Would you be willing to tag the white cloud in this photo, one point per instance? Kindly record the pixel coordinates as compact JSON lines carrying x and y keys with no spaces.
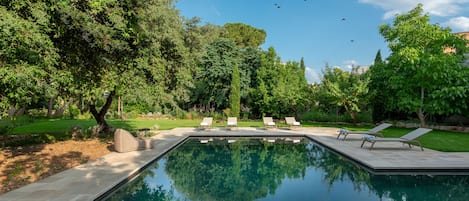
{"x":441,"y":8}
{"x":312,"y":76}
{"x":458,"y":23}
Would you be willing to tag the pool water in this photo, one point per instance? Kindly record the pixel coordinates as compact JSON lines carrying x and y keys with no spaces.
{"x":260,"y":169}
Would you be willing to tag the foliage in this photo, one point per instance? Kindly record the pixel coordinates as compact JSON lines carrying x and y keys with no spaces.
{"x":235,"y":96}
{"x":319,"y":116}
{"x":244,"y":35}
{"x":27,"y":55}
{"x":421,"y":76}
{"x":212,"y":88}
{"x":345,"y":89}
{"x":377,"y":89}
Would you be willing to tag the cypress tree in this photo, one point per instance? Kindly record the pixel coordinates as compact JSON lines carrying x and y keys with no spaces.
{"x":235,"y":95}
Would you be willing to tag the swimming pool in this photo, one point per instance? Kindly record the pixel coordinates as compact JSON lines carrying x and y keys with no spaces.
{"x":276,"y":169}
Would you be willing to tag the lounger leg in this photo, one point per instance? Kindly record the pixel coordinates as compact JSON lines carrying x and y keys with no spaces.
{"x":345,"y":135}
{"x":420,"y":145}
{"x":363,"y":143}
{"x":340,"y":133}
{"x":372,"y":144}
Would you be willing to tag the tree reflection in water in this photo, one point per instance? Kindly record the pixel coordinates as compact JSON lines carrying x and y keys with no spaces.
{"x":254,"y":169}
{"x":244,"y":170}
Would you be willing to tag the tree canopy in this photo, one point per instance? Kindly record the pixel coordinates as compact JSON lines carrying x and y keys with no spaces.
{"x":423,"y":78}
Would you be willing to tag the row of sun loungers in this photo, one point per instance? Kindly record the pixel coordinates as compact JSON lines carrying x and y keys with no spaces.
{"x":232,"y":122}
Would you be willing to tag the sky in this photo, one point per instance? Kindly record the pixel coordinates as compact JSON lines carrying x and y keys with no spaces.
{"x":340,"y":33}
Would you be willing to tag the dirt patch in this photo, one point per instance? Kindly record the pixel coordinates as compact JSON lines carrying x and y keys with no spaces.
{"x":20,"y":166}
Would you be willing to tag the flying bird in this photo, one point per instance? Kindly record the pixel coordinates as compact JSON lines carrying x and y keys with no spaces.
{"x":352,"y":41}
{"x":277,"y":5}
{"x":343,"y":19}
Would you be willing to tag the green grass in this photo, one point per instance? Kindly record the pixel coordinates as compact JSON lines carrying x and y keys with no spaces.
{"x":447,"y":141}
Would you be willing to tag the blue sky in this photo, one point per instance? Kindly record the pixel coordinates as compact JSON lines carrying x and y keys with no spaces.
{"x":337,"y":32}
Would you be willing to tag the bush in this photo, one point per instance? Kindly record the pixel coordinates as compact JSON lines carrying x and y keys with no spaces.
{"x":73,"y":111}
{"x":322,"y":117}
{"x":132,"y":115}
{"x":362,"y":117}
{"x":317,"y":116}
{"x":245,"y":116}
{"x":86,"y":115}
{"x":37,"y":112}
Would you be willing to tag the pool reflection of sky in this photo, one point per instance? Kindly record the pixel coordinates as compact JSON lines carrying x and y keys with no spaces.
{"x":263,"y":171}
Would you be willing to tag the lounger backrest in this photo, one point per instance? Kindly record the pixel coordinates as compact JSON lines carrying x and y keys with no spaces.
{"x":208,"y":120}
{"x":233,"y":119}
{"x":416,"y":133}
{"x":380,"y":127}
{"x":290,"y":120}
{"x":267,"y":120}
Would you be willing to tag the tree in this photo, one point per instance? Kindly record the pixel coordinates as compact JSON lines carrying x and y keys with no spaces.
{"x":99,"y":41}
{"x":290,"y":89}
{"x":235,"y":96}
{"x":214,"y":76}
{"x":244,"y":35}
{"x":265,"y":82}
{"x":28,"y":57}
{"x":377,"y":88}
{"x":422,"y":77}
{"x":345,"y":89}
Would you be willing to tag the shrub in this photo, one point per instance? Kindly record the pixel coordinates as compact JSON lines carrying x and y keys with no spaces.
{"x":73,"y":111}
{"x":364,"y":117}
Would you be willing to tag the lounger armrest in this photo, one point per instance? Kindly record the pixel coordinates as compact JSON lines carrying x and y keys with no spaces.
{"x":369,"y":137}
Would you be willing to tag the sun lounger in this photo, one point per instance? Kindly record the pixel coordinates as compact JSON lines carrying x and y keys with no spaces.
{"x":269,"y":122}
{"x":232,"y":122}
{"x":407,"y":139}
{"x":206,"y":123}
{"x":374,"y":131}
{"x":125,"y":142}
{"x":291,"y":121}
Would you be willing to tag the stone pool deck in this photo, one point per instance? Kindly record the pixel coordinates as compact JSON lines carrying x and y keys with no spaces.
{"x":89,"y":181}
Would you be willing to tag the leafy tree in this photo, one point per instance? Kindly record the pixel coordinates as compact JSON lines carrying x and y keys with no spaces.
{"x":214,"y":77}
{"x":27,"y":55}
{"x":265,"y":82}
{"x":279,"y":89}
{"x":244,"y":35}
{"x":345,"y":89}
{"x":235,"y":96}
{"x":290,"y":89}
{"x":423,"y":79}
{"x":377,"y":88}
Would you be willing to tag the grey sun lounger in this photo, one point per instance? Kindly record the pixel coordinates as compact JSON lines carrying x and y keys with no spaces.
{"x":374,"y":131}
{"x":407,"y":138}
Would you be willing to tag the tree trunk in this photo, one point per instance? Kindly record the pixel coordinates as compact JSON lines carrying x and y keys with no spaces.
{"x":50,"y":107}
{"x":99,"y":116}
{"x":352,"y":114}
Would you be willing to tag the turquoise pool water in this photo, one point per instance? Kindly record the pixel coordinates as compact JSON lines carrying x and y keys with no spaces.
{"x":287,"y":169}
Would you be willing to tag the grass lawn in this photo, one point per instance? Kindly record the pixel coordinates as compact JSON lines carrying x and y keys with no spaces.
{"x":438,"y":140}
